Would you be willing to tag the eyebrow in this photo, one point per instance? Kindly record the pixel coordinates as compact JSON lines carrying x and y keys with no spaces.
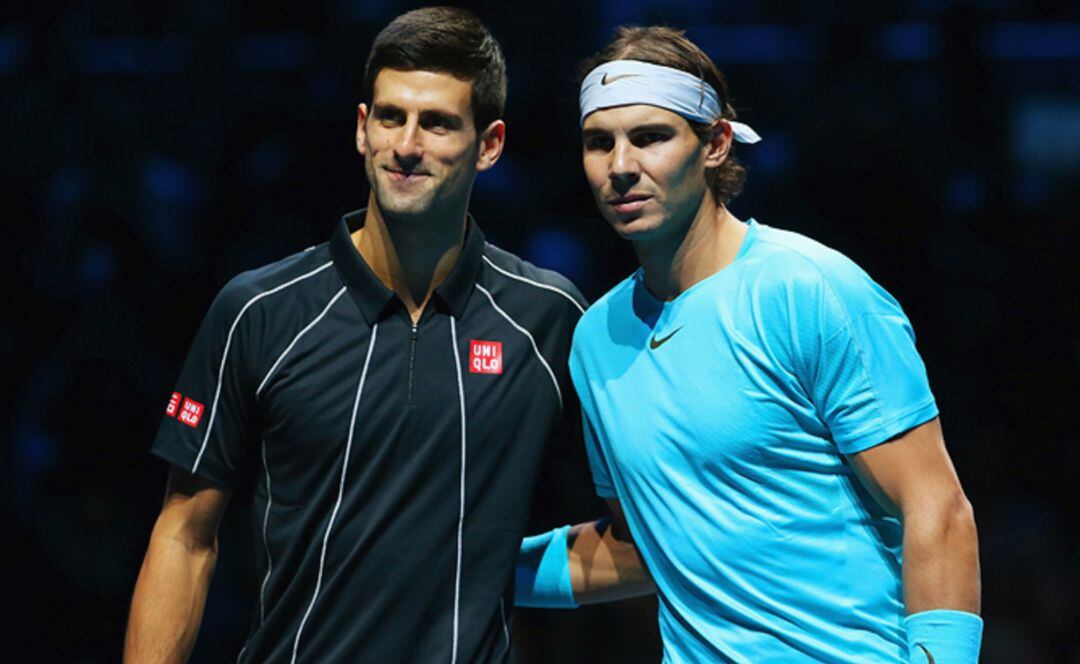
{"x":655,"y":126}
{"x":636,"y":129}
{"x":452,"y":119}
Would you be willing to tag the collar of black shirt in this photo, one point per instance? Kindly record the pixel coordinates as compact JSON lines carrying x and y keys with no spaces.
{"x":373,"y":297}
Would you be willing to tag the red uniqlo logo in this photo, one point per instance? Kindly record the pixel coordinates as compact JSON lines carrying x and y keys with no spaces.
{"x":191,"y":412}
{"x":174,"y":404}
{"x":485,"y":357}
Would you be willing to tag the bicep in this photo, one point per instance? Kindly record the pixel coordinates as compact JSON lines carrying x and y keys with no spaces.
{"x":192,"y":509}
{"x":910,"y":470}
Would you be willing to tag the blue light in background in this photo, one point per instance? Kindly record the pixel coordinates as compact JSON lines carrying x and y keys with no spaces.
{"x":35,"y":451}
{"x":909,"y":42}
{"x":1032,"y":41}
{"x":755,"y":43}
{"x":133,"y":55}
{"x":268,"y":162}
{"x":97,"y":266}
{"x":503,"y":179}
{"x":169,"y":181}
{"x":67,"y":187}
{"x":557,"y":250}
{"x":374,"y":12}
{"x":12,"y":50}
{"x":773,"y":156}
{"x":173,"y":194}
{"x":1030,"y":190}
{"x":966,"y":193}
{"x":1046,"y":135}
{"x":284,"y":51}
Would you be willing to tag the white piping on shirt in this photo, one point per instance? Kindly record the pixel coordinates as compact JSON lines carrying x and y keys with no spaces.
{"x":461,"y":500}
{"x":225,"y":353}
{"x":341,"y":490}
{"x":297,"y":338}
{"x":554,"y":381}
{"x":266,"y":542}
{"x":506,"y":630}
{"x":534,"y":283}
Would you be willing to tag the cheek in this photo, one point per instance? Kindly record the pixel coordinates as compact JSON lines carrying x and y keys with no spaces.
{"x":687,"y":179}
{"x":595,"y":173}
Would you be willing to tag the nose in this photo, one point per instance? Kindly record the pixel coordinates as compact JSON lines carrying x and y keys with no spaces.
{"x":625,"y":170}
{"x":407,"y":149}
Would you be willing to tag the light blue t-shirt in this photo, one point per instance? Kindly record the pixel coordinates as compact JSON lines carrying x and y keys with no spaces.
{"x":721,"y":421}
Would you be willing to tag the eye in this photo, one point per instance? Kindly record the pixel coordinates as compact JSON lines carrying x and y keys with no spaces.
{"x":435,"y":123}
{"x":649,"y":138}
{"x":599,"y":143}
{"x":389,"y":117}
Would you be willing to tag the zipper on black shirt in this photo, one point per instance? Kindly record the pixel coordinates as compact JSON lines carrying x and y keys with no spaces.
{"x":412,"y":359}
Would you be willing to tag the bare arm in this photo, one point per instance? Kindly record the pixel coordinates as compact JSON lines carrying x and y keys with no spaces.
{"x":913,"y":477}
{"x":170,"y":593}
{"x":604,"y":562}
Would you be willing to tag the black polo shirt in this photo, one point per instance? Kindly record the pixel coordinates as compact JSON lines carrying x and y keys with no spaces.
{"x":395,"y":463}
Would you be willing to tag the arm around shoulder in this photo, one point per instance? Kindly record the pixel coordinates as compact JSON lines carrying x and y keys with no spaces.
{"x":171,"y":590}
{"x":605,"y":564}
{"x":588,"y":563}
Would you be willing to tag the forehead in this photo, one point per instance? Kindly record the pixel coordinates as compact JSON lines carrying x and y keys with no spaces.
{"x":624,"y":118}
{"x":423,"y":90}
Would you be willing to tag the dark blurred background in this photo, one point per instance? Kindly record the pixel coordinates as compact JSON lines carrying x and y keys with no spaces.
{"x":153,"y":150}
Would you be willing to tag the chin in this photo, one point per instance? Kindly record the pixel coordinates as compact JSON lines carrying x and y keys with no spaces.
{"x":404,"y":206}
{"x":641,"y":228}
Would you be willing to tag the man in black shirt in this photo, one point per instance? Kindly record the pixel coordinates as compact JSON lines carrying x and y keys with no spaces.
{"x":391,"y":389}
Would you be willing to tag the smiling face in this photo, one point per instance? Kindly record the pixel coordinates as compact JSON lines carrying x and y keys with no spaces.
{"x":420,"y":143}
{"x":647,"y":169}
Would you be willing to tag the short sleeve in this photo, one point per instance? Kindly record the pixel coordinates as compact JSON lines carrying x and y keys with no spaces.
{"x":209,"y":419}
{"x":601,"y":474}
{"x":869,"y":382}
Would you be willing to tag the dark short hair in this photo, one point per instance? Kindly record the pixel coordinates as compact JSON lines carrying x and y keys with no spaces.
{"x":448,"y":40}
{"x":669,"y":47}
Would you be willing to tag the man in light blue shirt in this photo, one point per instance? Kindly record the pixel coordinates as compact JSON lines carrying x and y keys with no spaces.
{"x":755,"y":409}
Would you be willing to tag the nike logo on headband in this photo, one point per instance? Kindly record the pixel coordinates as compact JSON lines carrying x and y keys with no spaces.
{"x":611,"y":79}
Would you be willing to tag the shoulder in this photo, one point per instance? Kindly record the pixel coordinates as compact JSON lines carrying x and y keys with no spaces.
{"x":510,"y":273}
{"x":616,"y":303}
{"x":301,"y":274}
{"x":804,"y":267}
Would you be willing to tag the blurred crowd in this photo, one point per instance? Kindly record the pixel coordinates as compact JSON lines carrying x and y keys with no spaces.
{"x":153,"y":150}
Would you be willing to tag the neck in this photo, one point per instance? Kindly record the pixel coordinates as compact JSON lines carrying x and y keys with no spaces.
{"x":410,"y":256}
{"x":710,"y":243}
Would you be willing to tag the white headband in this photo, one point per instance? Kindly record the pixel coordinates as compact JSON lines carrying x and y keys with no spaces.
{"x":626,"y":82}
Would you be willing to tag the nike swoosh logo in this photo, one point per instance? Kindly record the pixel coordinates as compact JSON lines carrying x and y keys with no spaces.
{"x":655,"y":343}
{"x":611,"y":79}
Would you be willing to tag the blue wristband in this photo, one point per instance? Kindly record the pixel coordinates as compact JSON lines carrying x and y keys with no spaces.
{"x":943,"y":636}
{"x":542,"y":573}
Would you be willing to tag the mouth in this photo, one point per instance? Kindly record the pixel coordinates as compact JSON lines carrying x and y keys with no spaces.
{"x":629,"y":202}
{"x":402,"y":176}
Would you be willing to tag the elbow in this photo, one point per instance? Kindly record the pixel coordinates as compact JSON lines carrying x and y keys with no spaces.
{"x":948,"y":520}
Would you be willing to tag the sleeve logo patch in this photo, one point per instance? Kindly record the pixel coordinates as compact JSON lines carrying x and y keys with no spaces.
{"x":485,"y":357}
{"x":174,"y":404}
{"x":191,"y":412}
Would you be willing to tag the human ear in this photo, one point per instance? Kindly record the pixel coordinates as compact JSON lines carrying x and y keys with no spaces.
{"x":492,"y":141}
{"x":361,"y":118}
{"x":719,"y":144}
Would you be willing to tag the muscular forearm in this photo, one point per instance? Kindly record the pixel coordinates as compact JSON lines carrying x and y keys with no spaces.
{"x":941,"y":558}
{"x":169,"y":598}
{"x":604,"y":568}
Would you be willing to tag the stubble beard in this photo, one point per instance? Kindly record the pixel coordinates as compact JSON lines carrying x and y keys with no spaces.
{"x":396,"y":203}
